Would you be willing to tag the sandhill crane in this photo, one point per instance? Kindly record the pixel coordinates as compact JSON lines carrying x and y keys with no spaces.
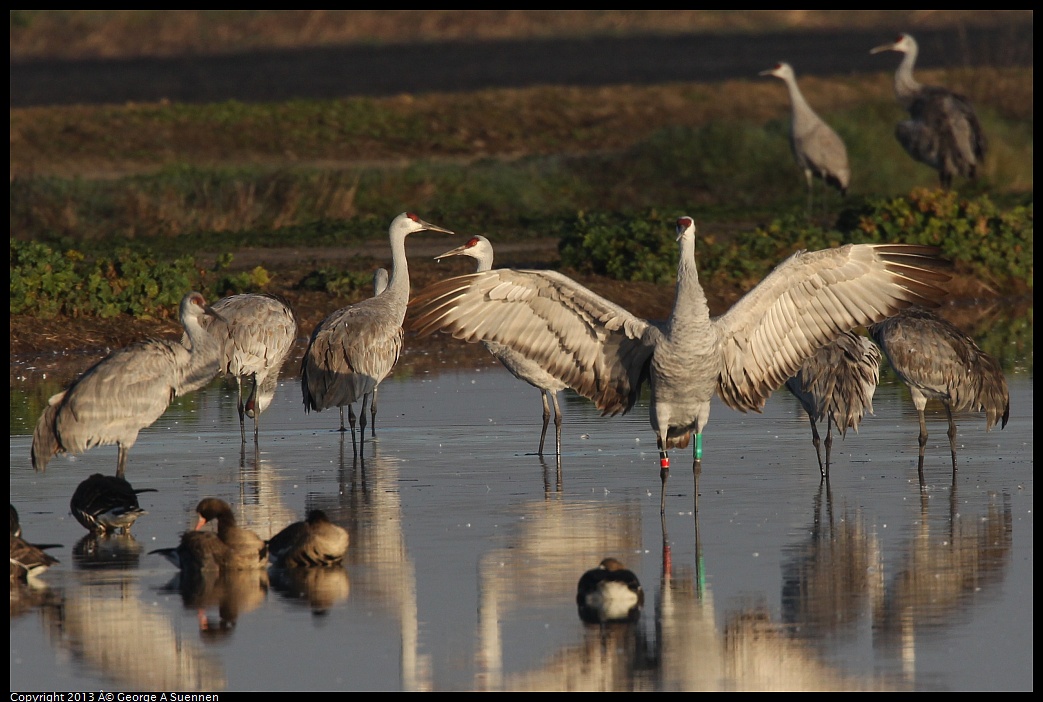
{"x":942,"y":130}
{"x":818,"y":150}
{"x":314,"y":542}
{"x":609,"y":593}
{"x":127,"y":391}
{"x":380,"y":284}
{"x":481,"y":249}
{"x":232,"y":548}
{"x":261,"y":331}
{"x":835,"y":385}
{"x":355,"y":348}
{"x":605,"y":353}
{"x":106,"y":504}
{"x":936,"y":360}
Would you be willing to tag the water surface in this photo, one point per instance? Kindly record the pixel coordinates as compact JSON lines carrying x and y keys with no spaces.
{"x":466,"y":549}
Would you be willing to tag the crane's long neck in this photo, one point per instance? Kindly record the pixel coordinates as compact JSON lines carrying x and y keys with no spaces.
{"x":485,"y":261}
{"x":801,"y":108}
{"x":690,"y":320}
{"x":906,"y":87}
{"x":204,"y":356}
{"x":397,"y":292}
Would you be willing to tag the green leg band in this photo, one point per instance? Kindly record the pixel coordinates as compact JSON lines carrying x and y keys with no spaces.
{"x":697,"y":450}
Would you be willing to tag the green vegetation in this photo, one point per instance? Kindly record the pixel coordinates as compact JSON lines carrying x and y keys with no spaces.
{"x":981,"y":239}
{"x":113,"y":208}
{"x":992,"y":243}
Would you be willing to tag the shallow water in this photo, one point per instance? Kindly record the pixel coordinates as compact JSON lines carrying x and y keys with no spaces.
{"x":466,"y":549}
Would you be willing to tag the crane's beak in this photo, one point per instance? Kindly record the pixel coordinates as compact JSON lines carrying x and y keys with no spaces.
{"x":452,"y":252}
{"x":767,"y":72}
{"x":428,"y":227}
{"x":214,"y":313}
{"x":882,"y":47}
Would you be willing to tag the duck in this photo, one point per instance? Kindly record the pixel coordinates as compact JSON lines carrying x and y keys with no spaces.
{"x":609,"y":593}
{"x":315,"y":541}
{"x":231,"y":548}
{"x":106,"y":504}
{"x":27,"y":560}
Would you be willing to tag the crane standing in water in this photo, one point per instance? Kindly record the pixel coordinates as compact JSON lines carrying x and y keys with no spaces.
{"x":481,"y":249}
{"x":261,"y":331}
{"x":942,"y":130}
{"x":835,"y":385}
{"x":818,"y":150}
{"x":355,"y":348}
{"x":605,"y":353}
{"x":127,"y":391}
{"x":936,"y":360}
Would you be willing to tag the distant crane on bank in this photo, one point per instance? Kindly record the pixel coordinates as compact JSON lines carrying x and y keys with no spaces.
{"x":943,"y":130}
{"x":355,"y":348}
{"x":818,"y":150}
{"x":835,"y":385}
{"x":937,"y":361}
{"x":605,"y":353}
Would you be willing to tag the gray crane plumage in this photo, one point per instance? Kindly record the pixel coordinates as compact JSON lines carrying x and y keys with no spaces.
{"x":936,"y":360}
{"x":481,"y":249}
{"x":836,"y":385}
{"x":605,"y":353}
{"x":261,"y":331}
{"x":818,"y":150}
{"x":127,"y":391}
{"x":943,"y":130}
{"x":355,"y":348}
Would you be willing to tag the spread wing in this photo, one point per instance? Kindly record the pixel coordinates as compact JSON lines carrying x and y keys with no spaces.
{"x":808,"y":300}
{"x":594,"y":346}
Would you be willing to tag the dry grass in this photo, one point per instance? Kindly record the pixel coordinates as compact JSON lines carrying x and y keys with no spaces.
{"x":124,"y":33}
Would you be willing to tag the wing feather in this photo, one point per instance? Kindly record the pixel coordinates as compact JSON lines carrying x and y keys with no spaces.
{"x":808,"y":300}
{"x":590,"y":344}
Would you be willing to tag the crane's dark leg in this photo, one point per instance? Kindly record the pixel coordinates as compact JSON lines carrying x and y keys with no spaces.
{"x":829,"y":443}
{"x":241,"y":408}
{"x":952,"y":436}
{"x":251,"y":411}
{"x":121,"y":461}
{"x":373,"y":414}
{"x":546,"y":420}
{"x":362,"y":417}
{"x":817,"y":441}
{"x":664,"y":472}
{"x":342,"y":418}
{"x":697,"y":469}
{"x":351,"y":421}
{"x":922,"y":440}
{"x":557,"y":425}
